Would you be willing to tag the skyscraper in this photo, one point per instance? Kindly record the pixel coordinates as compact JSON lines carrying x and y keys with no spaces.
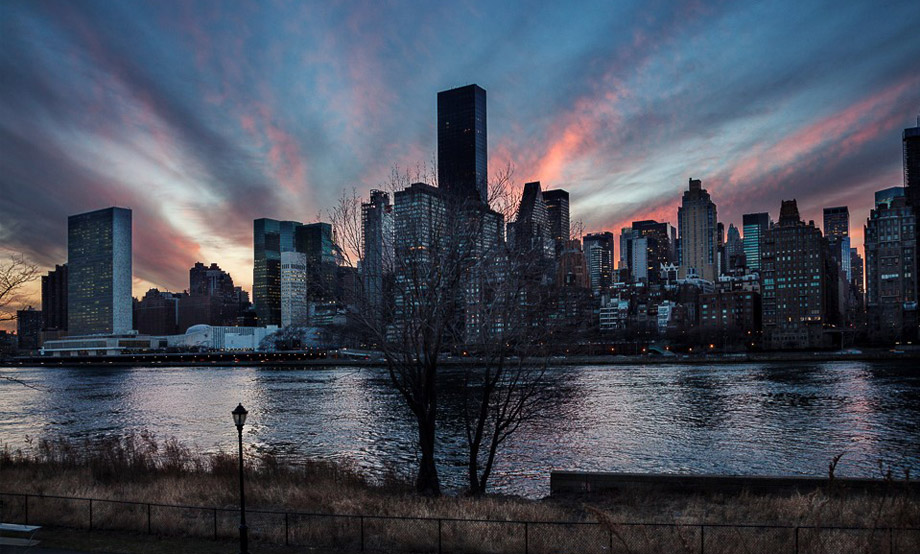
{"x":598,"y":248}
{"x":755,"y":225}
{"x":799,"y":292}
{"x":697,"y":224}
{"x":99,"y":272}
{"x":462,"y":143}
{"x":891,"y":283}
{"x":377,"y":236}
{"x":557,"y":212}
{"x":316,"y":241}
{"x":837,"y":233}
{"x":270,"y":239}
{"x":530,"y":232}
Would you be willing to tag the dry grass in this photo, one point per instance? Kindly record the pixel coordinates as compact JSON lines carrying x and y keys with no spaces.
{"x":139,"y":468}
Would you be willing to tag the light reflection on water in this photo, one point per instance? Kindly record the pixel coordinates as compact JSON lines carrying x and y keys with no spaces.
{"x":781,"y":419}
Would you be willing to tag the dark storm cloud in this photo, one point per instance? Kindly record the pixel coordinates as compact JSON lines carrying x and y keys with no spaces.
{"x":203,"y":116}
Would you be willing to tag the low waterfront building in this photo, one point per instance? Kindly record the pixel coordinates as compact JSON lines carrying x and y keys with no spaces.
{"x":198,"y":337}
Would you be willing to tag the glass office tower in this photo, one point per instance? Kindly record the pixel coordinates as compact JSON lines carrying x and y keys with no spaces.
{"x":99,"y":272}
{"x":755,"y":225}
{"x":270,"y":238}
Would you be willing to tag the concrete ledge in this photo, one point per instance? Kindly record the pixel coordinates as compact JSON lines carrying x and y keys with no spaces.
{"x":583,"y":482}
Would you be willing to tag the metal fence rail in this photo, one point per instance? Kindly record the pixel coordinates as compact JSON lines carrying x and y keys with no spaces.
{"x":444,"y":535}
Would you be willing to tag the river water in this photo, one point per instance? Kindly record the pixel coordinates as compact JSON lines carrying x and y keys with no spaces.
{"x":759,"y":418}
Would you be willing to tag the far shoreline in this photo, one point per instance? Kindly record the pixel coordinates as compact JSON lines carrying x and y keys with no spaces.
{"x":343,"y":359}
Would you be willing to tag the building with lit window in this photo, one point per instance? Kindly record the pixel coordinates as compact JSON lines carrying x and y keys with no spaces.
{"x":798,"y":284}
{"x":293,"y":289}
{"x":754,"y":226}
{"x":99,"y":272}
{"x":891,"y":280}
{"x":270,"y":239}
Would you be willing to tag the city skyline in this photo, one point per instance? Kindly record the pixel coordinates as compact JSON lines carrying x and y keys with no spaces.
{"x":198,"y":152}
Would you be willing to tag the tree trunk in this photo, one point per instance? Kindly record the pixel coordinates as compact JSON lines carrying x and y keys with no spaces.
{"x":427,"y":482}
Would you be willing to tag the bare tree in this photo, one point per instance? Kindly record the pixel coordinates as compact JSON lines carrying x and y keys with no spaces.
{"x":435,"y":244}
{"x":509,"y":385}
{"x":15,"y":273}
{"x":450,"y":287}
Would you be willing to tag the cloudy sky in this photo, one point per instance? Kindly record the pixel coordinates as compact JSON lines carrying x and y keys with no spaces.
{"x":203,"y":116}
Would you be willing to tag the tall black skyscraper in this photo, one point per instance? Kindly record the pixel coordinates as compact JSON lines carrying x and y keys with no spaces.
{"x":462,"y":143}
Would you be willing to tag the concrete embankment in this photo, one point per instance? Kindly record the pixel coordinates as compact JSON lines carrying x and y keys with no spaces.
{"x":582,"y":482}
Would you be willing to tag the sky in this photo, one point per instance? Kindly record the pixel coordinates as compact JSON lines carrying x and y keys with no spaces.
{"x":202,"y":116}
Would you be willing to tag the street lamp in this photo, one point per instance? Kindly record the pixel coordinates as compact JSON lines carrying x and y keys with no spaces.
{"x":239,"y":419}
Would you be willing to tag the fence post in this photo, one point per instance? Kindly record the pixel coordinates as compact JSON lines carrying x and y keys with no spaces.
{"x":890,"y":542}
{"x":26,"y":496}
{"x":439,"y":535}
{"x":609,"y":540}
{"x":796,"y":540}
{"x":149,"y":529}
{"x":526,"y":539}
{"x":362,"y":533}
{"x":215,"y":523}
{"x":287,"y":541}
{"x":90,"y":514}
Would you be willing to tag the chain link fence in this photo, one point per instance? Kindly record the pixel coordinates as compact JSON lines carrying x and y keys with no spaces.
{"x":360,"y":533}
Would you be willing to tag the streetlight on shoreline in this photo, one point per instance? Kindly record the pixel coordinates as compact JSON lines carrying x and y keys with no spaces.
{"x":239,"y":418}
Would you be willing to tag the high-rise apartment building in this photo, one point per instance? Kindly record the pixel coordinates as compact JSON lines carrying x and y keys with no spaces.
{"x":598,"y":248}
{"x":54,"y":299}
{"x":755,"y":225}
{"x":697,"y":224}
{"x":270,"y":238}
{"x":891,"y":280}
{"x":377,"y":236}
{"x":557,"y":212}
{"x":293,"y":289}
{"x":799,"y":290}
{"x":462,"y":143}
{"x":99,"y":272}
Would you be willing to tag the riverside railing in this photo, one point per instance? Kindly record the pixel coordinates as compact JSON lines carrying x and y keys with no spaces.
{"x":442,"y":535}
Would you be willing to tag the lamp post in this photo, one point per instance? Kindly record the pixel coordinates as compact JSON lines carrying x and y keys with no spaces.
{"x":239,"y":418}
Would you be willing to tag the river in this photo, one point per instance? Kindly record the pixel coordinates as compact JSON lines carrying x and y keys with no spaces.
{"x":757,"y":418}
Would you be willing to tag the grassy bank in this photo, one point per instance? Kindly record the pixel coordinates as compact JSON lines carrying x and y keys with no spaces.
{"x":140,"y":468}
